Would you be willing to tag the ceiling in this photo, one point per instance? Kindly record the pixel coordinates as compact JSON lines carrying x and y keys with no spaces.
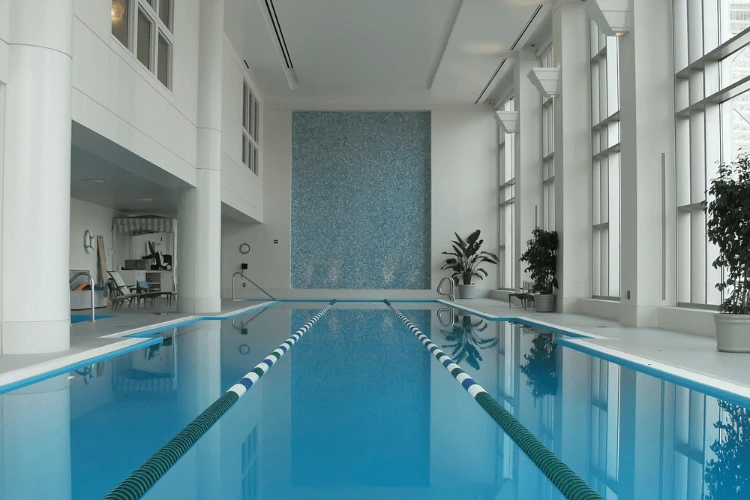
{"x":391,"y":54}
{"x":106,"y":174}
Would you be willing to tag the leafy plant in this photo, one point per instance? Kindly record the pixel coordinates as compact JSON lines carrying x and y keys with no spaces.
{"x":728,"y":228}
{"x":726,"y":475}
{"x":466,"y":258}
{"x":541,"y":255}
{"x":465,"y":338}
{"x":541,"y":366}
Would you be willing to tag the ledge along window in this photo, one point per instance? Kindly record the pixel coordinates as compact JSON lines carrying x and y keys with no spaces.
{"x":144,"y":27}
{"x":507,"y":230}
{"x":250,"y":128}
{"x":712,"y":124}
{"x":605,"y":134}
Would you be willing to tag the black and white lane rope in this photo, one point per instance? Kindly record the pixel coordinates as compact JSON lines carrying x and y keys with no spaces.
{"x":562,"y":476}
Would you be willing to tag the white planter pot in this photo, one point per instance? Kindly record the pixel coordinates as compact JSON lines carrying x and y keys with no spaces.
{"x":466,"y":291}
{"x":544,"y":303}
{"x":732,"y":332}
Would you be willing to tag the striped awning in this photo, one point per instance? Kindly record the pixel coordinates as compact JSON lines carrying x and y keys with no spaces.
{"x":144,"y":225}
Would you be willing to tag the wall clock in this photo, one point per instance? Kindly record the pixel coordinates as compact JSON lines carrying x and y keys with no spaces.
{"x":244,"y":248}
{"x":88,"y":240}
{"x":244,"y":349}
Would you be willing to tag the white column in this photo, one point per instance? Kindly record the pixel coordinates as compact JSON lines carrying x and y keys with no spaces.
{"x":528,"y":167}
{"x":199,"y":208}
{"x":35,"y":441}
{"x":573,"y":156}
{"x":36,"y":184}
{"x":647,"y":132}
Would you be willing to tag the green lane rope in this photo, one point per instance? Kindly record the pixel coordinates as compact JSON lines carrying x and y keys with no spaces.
{"x":562,"y":476}
{"x":138,"y":483}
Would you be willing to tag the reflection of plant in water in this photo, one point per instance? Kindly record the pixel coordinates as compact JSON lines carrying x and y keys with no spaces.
{"x":727,"y":476}
{"x":541,"y":366}
{"x":465,"y":338}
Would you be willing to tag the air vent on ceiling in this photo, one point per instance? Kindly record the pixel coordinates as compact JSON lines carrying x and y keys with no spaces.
{"x":274,"y":26}
{"x":512,"y":47}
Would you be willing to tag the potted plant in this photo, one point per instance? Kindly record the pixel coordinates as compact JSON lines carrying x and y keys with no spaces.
{"x":465,"y":260}
{"x":727,"y":228}
{"x":540,"y":255}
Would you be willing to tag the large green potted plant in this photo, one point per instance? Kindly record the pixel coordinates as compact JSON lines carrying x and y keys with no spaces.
{"x":728,"y":228}
{"x":541,"y":257}
{"x":464,"y":261}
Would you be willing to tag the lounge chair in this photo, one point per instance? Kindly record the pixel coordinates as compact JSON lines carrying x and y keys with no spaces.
{"x":144,"y":291}
{"x":525,"y":295}
{"x":122,"y":292}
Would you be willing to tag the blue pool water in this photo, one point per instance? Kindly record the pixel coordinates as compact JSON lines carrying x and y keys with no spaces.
{"x":359,"y":409}
{"x":78,"y":318}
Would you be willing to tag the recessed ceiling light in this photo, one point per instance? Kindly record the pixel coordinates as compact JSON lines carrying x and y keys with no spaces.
{"x":94,"y":181}
{"x":144,"y":200}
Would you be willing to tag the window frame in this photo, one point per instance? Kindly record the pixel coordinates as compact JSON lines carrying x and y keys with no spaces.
{"x":701,"y":46}
{"x":250,"y":125}
{"x":158,"y":29}
{"x":548,"y":149}
{"x":506,"y":163}
{"x":606,"y":194}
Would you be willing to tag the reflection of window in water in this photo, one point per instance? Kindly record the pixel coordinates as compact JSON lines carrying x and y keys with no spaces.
{"x":250,"y":490}
{"x":605,"y":426}
{"x":509,"y":353}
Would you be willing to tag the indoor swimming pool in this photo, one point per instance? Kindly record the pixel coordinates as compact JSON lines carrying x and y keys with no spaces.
{"x":359,"y":408}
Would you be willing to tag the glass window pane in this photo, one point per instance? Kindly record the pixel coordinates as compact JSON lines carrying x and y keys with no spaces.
{"x":152,"y":3}
{"x":251,"y":112}
{"x":255,"y":160}
{"x":163,"y":61}
{"x":734,"y":18}
{"x":244,"y":149}
{"x":244,"y":105}
{"x":257,"y":114}
{"x":144,"y":39}
{"x":165,"y":13}
{"x":735,"y":67}
{"x":120,"y":21}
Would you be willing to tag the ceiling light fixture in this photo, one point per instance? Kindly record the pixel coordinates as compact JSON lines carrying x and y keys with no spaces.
{"x":94,"y":181}
{"x":508,"y":120}
{"x":144,"y":200}
{"x":613,"y":17}
{"x":547,"y":81}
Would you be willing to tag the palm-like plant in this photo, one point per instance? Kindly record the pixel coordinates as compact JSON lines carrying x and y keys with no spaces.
{"x":466,"y":258}
{"x":465,"y":341}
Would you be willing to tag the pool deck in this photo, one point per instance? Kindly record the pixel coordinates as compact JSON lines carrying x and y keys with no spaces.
{"x":679,"y":353}
{"x":92,"y":340}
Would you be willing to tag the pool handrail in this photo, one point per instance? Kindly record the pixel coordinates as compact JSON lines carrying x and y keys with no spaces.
{"x":451,"y":293}
{"x":91,"y":284}
{"x":242,"y":275}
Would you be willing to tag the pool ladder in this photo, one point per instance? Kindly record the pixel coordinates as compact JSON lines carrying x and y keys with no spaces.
{"x":451,"y":292}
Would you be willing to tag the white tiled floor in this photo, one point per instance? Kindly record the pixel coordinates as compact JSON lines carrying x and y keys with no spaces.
{"x":681,"y":350}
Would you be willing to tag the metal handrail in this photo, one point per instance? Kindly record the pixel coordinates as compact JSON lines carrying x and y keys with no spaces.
{"x":241,"y":274}
{"x":451,"y":292}
{"x":91,"y":284}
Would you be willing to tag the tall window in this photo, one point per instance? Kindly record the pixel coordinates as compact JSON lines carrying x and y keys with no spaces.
{"x":712,"y":64}
{"x":145,"y":28}
{"x":250,"y":126}
{"x":605,"y":132}
{"x":506,"y":165}
{"x":548,"y":150}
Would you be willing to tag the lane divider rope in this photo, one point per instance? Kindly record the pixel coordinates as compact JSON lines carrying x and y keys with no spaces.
{"x":138,"y":483}
{"x":562,"y":476}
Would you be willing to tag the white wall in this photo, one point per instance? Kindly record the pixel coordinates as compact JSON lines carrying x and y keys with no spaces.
{"x":98,"y":220}
{"x":465,"y":192}
{"x":114,"y":95}
{"x":4,"y":35}
{"x":269,"y":264}
{"x":240,"y":188}
{"x":464,"y":146}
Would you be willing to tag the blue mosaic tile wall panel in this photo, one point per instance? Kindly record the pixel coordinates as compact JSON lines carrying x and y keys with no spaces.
{"x":361,"y":200}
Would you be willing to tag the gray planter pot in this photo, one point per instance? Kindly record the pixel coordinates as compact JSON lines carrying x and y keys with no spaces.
{"x":466,"y":291}
{"x":732,"y":332}
{"x":544,"y":302}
